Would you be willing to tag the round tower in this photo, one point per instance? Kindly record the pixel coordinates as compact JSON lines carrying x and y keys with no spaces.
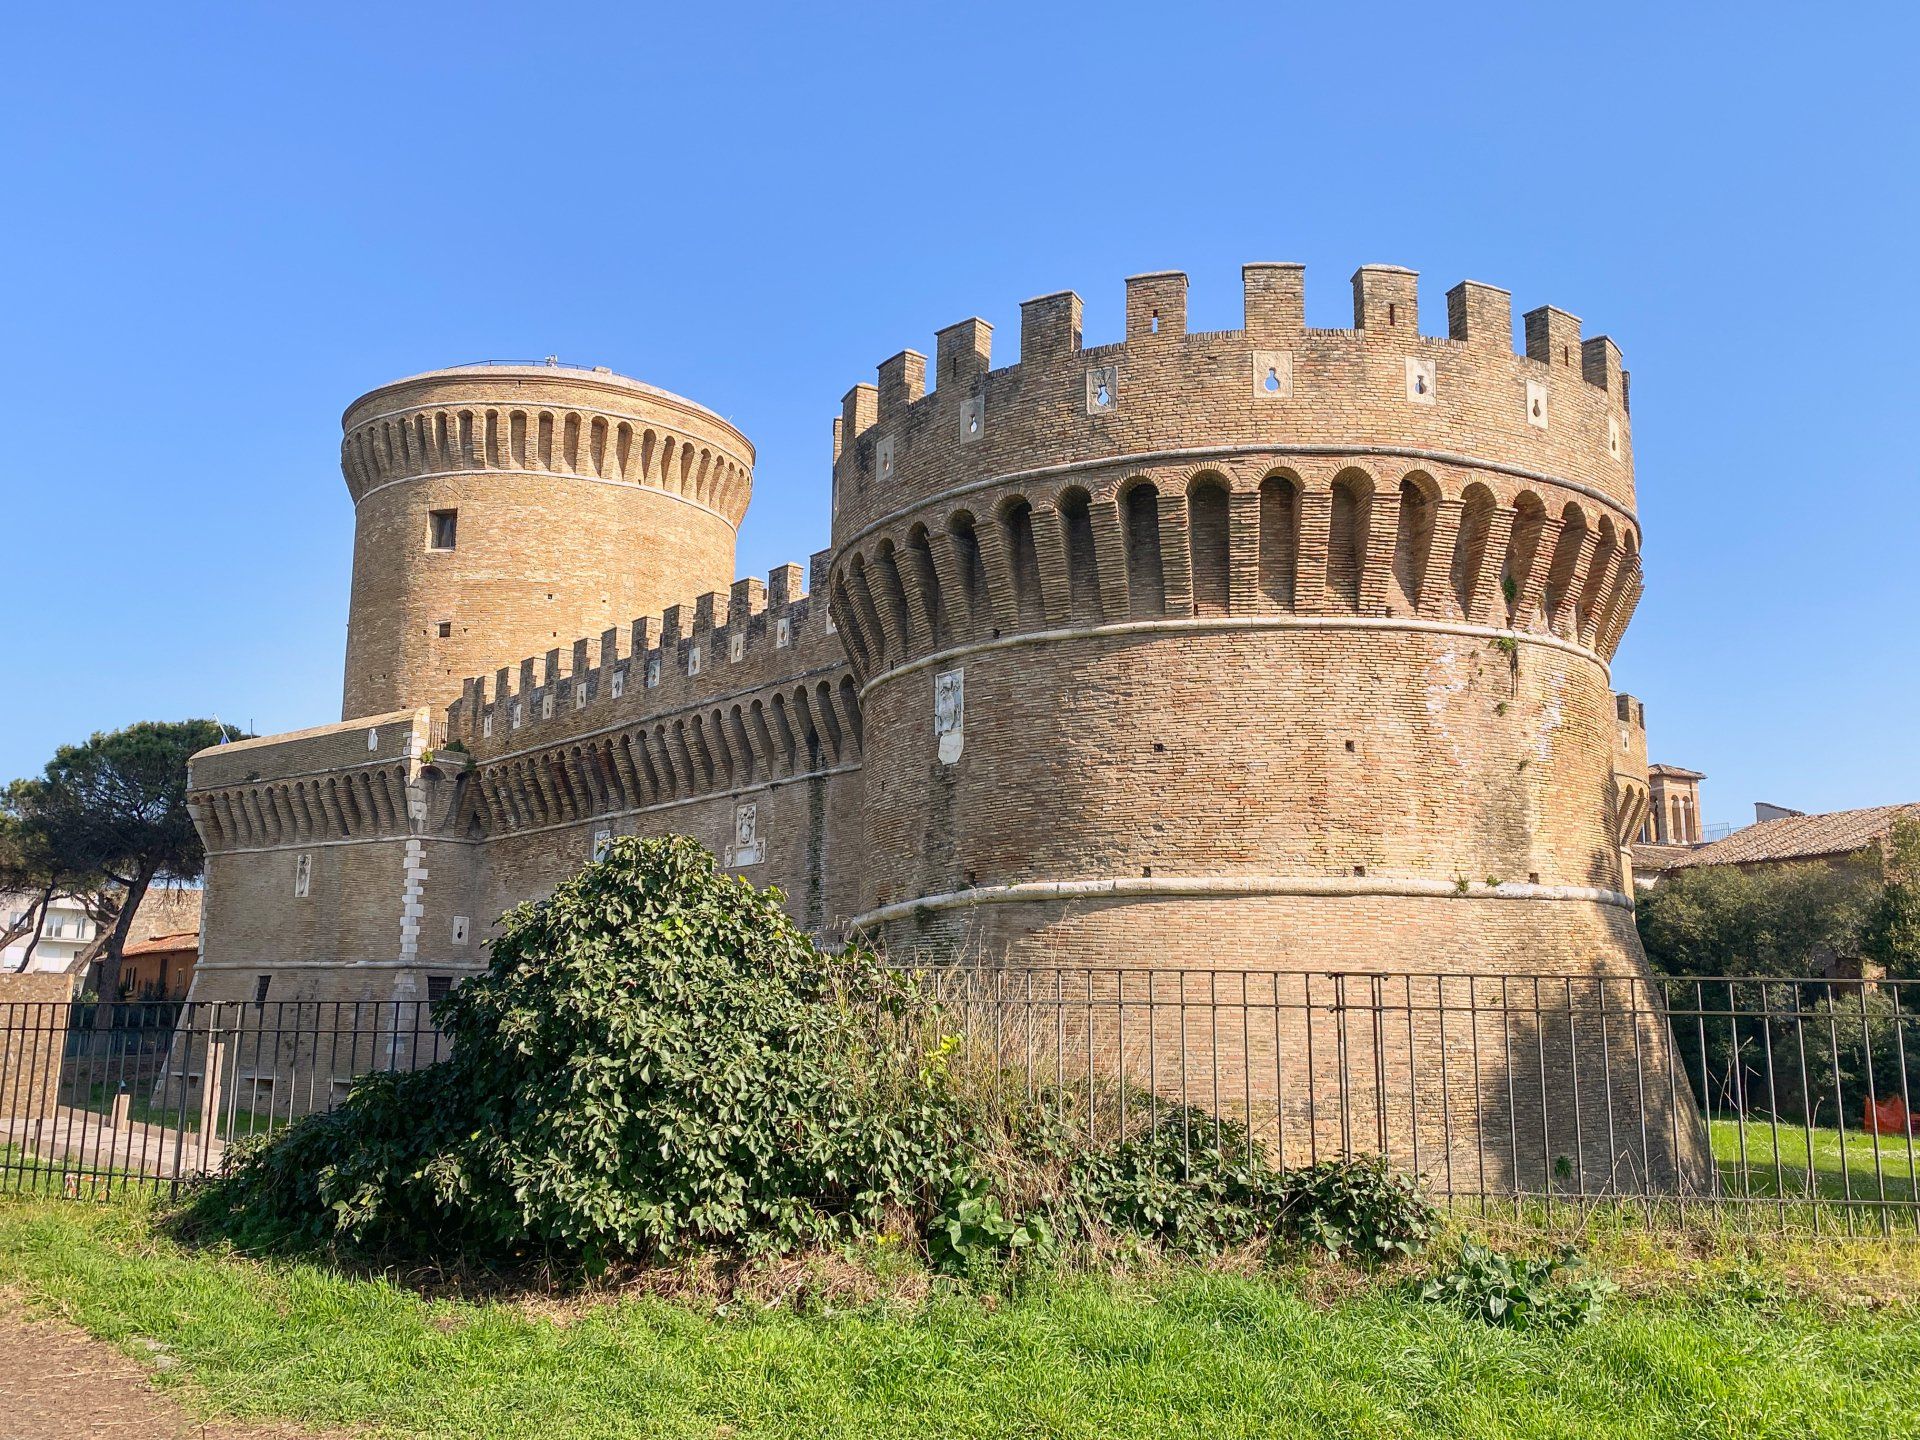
{"x":1276,"y":647}
{"x":501,"y":510}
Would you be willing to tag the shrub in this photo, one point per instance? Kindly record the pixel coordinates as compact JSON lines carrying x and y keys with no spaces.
{"x":1519,"y":1293}
{"x":656,"y":1059}
{"x":1195,"y":1183}
{"x":972,"y":1234}
{"x":1361,"y":1208}
{"x":1181,"y":1177}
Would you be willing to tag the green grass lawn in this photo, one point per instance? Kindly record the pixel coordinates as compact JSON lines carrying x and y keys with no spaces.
{"x":1863,"y":1166}
{"x":1187,"y":1354}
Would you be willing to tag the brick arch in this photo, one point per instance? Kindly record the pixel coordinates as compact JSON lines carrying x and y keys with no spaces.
{"x":1347,"y":525}
{"x":1081,"y":552}
{"x":850,"y":708}
{"x":1209,"y":541}
{"x":969,"y":604}
{"x":1138,"y":500}
{"x":828,"y":721}
{"x":1523,"y":577}
{"x":917,"y":560}
{"x":1567,"y":571}
{"x":1014,"y":515}
{"x":807,"y":728}
{"x":876,"y":627}
{"x":1279,"y":537}
{"x":786,"y":743}
{"x":1475,"y":549}
{"x":907,"y":622}
{"x":1413,"y":541}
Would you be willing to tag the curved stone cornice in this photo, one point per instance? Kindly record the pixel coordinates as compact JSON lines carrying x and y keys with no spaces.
{"x":539,"y":420}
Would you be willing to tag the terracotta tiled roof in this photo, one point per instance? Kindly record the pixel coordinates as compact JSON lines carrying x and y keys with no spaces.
{"x":1802,"y":837}
{"x":156,"y":944}
{"x":1649,"y":858}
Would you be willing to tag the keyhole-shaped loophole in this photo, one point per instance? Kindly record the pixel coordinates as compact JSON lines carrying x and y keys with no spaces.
{"x":1100,"y":396}
{"x":973,"y":424}
{"x":1419,"y":384}
{"x":1536,"y":408}
{"x":1272,"y":382}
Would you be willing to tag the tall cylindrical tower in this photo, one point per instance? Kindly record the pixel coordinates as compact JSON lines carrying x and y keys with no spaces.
{"x":1273,"y":647}
{"x":500,"y":510}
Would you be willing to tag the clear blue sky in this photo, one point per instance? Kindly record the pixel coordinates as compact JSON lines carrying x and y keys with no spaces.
{"x":222,"y":224}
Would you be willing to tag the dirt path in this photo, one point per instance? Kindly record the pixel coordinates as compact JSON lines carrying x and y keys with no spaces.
{"x":58,"y":1383}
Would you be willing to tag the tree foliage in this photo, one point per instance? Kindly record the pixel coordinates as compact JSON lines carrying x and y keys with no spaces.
{"x":1792,"y":1041}
{"x":108,"y":818}
{"x":1794,"y":920}
{"x":1788,"y":920}
{"x":1890,"y":935}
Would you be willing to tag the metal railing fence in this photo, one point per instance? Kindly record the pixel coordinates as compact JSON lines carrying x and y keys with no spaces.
{"x":95,"y":1097}
{"x":1787,"y":1099}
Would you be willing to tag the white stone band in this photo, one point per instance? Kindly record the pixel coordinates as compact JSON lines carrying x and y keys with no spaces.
{"x":1216,"y":887}
{"x":1239,"y":622}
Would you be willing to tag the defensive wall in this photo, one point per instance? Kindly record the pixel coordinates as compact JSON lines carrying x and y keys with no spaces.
{"x":1277,"y":648}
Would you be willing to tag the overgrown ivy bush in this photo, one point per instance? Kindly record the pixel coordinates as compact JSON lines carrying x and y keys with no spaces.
{"x":1179,"y":1176}
{"x":657,"y":1059}
{"x":1195,"y":1183}
{"x":1360,"y":1208}
{"x":1548,"y":1293}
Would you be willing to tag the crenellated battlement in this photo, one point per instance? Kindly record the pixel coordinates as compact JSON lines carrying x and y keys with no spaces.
{"x":1554,"y":410}
{"x":758,"y":634}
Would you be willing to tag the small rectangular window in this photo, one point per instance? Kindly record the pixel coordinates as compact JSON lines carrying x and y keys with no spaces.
{"x":438,"y":988}
{"x":445,"y":629}
{"x":260,"y":984}
{"x":619,"y":683}
{"x":442,"y":529}
{"x":601,"y":839}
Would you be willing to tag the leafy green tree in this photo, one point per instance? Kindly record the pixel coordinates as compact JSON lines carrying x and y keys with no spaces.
{"x":110,"y":818}
{"x":1791,"y":1041}
{"x":1786,"y":920}
{"x":1890,"y":936}
{"x":26,"y":867}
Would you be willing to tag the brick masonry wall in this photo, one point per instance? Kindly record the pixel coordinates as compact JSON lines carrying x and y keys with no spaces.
{"x":582,"y":499}
{"x":1264,"y":648}
{"x":33,"y":1021}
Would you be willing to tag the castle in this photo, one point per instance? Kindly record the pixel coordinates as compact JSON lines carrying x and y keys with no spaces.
{"x":1278,"y":648}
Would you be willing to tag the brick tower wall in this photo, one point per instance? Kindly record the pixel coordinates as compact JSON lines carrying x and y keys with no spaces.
{"x":582,"y":499}
{"x":1291,"y":641}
